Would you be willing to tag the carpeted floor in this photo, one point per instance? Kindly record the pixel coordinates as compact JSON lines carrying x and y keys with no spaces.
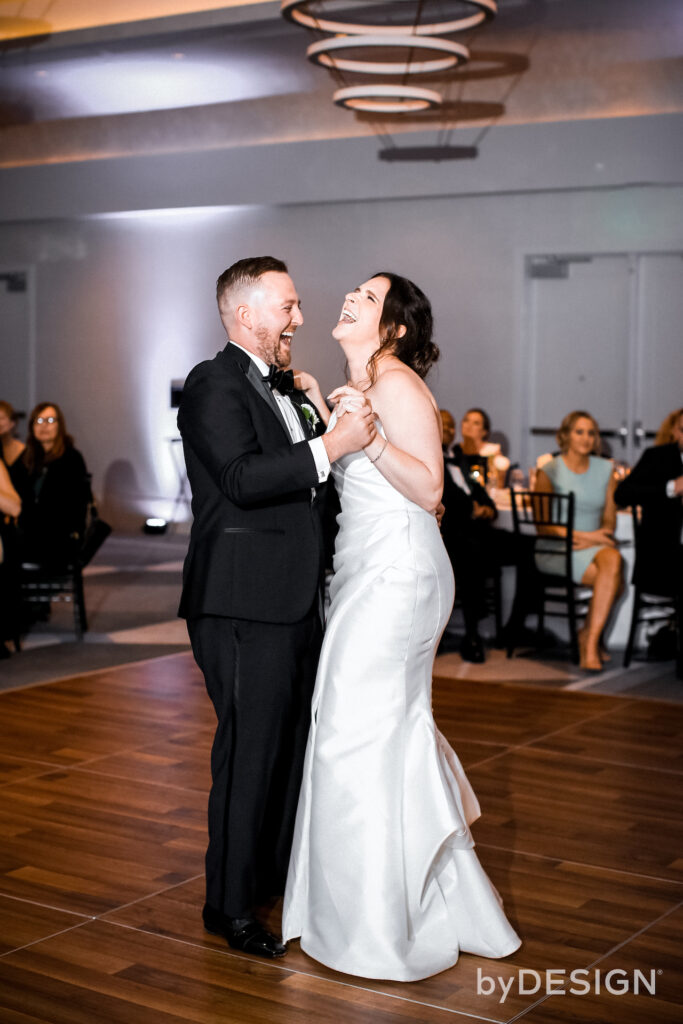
{"x":132,"y":589}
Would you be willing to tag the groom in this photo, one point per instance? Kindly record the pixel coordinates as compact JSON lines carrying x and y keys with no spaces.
{"x":251,"y":585}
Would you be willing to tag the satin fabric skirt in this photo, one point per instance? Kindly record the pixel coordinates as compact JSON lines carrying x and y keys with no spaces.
{"x":383,"y":881}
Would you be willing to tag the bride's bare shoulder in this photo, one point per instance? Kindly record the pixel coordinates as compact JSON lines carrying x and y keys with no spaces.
{"x":396,"y":382}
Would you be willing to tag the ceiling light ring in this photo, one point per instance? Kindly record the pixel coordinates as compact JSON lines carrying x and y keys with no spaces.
{"x":295,"y":11}
{"x":387,"y":99}
{"x":324,"y":54}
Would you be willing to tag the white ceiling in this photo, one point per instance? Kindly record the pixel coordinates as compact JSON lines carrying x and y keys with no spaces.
{"x":184,"y":75}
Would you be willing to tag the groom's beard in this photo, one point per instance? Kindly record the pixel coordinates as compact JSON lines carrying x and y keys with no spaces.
{"x":274,"y":348}
{"x":282,"y":356}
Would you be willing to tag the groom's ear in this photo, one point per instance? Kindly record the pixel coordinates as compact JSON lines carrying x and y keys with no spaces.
{"x":243,"y":315}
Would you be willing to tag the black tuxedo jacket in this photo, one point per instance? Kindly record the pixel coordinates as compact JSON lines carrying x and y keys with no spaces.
{"x":255,"y":547}
{"x":458,"y":527}
{"x":659,"y":541}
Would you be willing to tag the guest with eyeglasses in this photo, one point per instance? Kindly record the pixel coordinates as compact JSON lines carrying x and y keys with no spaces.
{"x":55,"y":491}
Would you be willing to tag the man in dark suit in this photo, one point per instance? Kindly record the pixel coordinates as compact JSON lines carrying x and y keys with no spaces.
{"x":656,"y":484}
{"x":469,"y":512}
{"x":251,"y":585}
{"x":477,"y":550}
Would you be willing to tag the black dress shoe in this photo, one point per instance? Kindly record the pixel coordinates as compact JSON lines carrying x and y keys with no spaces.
{"x":243,"y":933}
{"x":472,"y":649}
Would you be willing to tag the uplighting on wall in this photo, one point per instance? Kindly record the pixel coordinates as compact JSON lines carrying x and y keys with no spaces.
{"x":400,"y":45}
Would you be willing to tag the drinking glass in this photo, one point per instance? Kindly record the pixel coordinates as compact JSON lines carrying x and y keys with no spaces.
{"x":517,"y":479}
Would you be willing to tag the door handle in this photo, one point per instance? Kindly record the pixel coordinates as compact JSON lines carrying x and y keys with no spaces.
{"x":623,"y":433}
{"x":638,"y":433}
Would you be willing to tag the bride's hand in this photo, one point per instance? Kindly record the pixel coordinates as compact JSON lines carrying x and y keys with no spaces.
{"x":348,"y":399}
{"x":304,"y":381}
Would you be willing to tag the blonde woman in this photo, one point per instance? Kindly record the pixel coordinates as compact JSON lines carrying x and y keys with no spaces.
{"x":596,"y":561}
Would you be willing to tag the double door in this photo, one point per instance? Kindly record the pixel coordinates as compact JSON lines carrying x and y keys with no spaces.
{"x":604,"y":334}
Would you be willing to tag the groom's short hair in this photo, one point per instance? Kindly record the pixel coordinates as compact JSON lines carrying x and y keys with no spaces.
{"x":244,"y":274}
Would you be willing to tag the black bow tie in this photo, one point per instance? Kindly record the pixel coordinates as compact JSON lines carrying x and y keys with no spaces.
{"x":280,"y":380}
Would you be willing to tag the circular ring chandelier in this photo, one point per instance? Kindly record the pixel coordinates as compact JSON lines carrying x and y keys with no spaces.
{"x":387,"y":99}
{"x":325,"y":51}
{"x":415,"y":37}
{"x":298,"y":12}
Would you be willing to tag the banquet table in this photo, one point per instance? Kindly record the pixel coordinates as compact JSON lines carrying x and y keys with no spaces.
{"x":620,"y":621}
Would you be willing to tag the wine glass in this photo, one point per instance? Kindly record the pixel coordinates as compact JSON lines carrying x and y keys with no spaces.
{"x":517,"y":479}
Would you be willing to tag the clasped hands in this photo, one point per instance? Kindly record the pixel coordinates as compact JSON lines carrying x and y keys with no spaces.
{"x":351,"y":403}
{"x":601,"y":537}
{"x":355,"y":416}
{"x":348,"y":399}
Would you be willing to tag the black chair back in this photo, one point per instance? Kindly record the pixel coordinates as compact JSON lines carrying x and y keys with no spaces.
{"x":558,"y":595}
{"x":534,"y":509}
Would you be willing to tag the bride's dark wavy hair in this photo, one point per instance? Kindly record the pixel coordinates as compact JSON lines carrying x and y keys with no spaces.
{"x":405,"y":304}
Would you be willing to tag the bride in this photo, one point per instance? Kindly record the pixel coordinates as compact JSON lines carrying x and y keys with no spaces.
{"x":383,"y":881}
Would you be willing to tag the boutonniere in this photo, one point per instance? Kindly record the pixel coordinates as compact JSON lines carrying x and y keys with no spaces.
{"x":310,"y":414}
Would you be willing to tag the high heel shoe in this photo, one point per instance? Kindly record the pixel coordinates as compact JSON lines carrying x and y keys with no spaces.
{"x":588,"y":663}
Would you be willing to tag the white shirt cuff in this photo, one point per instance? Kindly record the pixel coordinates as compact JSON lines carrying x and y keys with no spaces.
{"x":671,"y":488}
{"x":322,"y":463}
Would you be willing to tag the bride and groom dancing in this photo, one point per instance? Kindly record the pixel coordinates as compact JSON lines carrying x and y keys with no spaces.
{"x":330,"y":781}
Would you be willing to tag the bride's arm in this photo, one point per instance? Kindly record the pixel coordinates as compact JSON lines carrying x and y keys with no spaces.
{"x":307,"y":383}
{"x":411,"y":459}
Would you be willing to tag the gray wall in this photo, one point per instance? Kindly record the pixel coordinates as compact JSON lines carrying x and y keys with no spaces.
{"x":124,"y":303}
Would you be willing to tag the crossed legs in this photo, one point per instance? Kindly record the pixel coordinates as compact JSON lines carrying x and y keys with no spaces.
{"x":604,"y":575}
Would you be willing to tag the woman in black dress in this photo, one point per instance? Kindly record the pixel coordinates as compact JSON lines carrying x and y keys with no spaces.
{"x":55,"y":490}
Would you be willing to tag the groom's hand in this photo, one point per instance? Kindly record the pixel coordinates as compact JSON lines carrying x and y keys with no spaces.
{"x":353,"y":431}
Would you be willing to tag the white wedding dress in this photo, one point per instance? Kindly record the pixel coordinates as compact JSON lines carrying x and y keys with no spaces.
{"x":383,"y":881}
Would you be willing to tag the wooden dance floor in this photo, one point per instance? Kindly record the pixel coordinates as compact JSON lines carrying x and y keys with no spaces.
{"x":103,"y":783}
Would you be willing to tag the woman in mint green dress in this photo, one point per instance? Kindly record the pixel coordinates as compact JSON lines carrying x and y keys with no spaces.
{"x":596,"y":561}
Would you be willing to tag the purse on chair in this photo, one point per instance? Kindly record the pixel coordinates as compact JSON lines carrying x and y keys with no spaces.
{"x":95,"y":533}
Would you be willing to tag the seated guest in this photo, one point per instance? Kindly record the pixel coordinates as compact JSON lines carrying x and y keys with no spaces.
{"x":10,"y":446}
{"x":656,"y":484}
{"x":467,"y":505}
{"x":10,"y":507}
{"x":667,"y":433}
{"x":475,"y":450}
{"x":596,"y":561}
{"x":55,"y":491}
{"x":478,"y":551}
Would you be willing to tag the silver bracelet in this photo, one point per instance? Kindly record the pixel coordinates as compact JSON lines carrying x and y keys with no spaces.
{"x":378,"y":457}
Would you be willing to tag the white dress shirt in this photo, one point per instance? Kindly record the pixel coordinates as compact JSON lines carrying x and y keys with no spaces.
{"x":671,"y":484}
{"x":292,"y":421}
{"x":671,"y":491}
{"x":455,"y":472}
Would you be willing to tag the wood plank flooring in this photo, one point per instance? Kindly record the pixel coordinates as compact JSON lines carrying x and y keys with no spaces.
{"x":103,"y":783}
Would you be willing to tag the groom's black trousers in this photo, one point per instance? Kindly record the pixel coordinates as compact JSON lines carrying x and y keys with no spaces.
{"x":260,"y":678}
